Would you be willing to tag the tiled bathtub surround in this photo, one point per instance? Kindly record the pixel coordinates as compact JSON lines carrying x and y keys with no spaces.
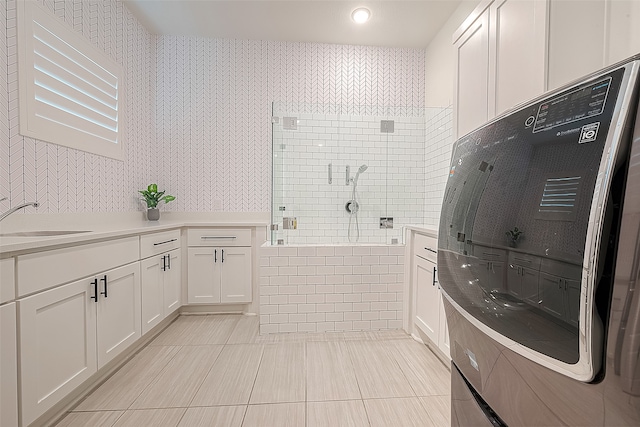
{"x":390,"y":187}
{"x":330,"y":288}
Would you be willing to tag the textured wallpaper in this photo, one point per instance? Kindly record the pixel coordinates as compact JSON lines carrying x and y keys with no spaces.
{"x":60,"y":178}
{"x":214,"y":99}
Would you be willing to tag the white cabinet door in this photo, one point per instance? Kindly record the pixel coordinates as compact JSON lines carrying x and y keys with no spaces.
{"x":576,"y":40}
{"x":516,"y":52}
{"x":152,"y":292}
{"x":471,"y":89}
{"x":204,"y":275}
{"x":172,"y":284}
{"x":119,"y":311}
{"x":8,"y":366}
{"x":443,"y":335}
{"x":57,"y":345}
{"x":235,"y":269}
{"x":427,"y":298}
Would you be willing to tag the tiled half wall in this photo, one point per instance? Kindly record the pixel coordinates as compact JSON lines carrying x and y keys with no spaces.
{"x":331,"y":288}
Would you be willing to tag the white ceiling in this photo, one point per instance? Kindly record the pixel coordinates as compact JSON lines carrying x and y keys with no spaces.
{"x":394,"y":23}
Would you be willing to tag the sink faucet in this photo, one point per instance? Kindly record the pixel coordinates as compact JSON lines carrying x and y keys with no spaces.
{"x":12,"y":210}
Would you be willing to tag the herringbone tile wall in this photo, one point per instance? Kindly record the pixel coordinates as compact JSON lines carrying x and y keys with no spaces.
{"x":198,"y":112}
{"x":213,"y":108}
{"x":60,"y":178}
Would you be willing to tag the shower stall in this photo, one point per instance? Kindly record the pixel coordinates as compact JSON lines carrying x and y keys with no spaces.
{"x":346,"y":174}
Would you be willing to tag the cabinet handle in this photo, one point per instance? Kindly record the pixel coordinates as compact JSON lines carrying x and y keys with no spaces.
{"x":222,"y":255}
{"x":490,"y":254}
{"x":215,"y":255}
{"x":168,"y":261}
{"x":217,"y":237}
{"x":560,"y":284}
{"x":165,"y":242}
{"x":95,"y":290}
{"x":164,"y":263}
{"x":434,"y":277}
{"x":431,"y":250}
{"x":104,"y":279}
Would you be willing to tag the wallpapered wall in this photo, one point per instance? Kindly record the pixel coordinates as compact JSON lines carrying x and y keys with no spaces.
{"x":214,"y":99}
{"x":60,"y":178}
{"x":198,"y":112}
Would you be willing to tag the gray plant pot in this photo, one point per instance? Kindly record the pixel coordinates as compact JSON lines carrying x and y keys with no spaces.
{"x":153,"y":214}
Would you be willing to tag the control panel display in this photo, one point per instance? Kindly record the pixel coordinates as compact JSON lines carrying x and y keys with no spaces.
{"x":581,"y":103}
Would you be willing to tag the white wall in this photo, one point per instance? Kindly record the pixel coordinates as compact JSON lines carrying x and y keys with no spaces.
{"x":213,"y":108}
{"x":60,"y":178}
{"x":439,"y":80}
{"x":440,"y":57}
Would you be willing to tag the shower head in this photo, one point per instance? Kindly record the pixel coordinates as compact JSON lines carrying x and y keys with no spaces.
{"x":363,"y":168}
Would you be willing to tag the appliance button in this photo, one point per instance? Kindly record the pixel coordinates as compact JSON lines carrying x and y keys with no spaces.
{"x":529,"y":121}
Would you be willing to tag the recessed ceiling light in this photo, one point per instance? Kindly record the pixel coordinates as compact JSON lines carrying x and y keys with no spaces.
{"x":360,"y":15}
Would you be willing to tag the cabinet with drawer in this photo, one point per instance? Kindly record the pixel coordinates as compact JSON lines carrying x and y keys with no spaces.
{"x":428,"y":310}
{"x":161,"y":276}
{"x":219,"y":266}
{"x":69,"y":332}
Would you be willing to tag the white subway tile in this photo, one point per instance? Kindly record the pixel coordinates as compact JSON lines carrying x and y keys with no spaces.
{"x":297,"y":260}
{"x":287,"y":328}
{"x":264,"y":261}
{"x":344,"y":306}
{"x":276,"y":261}
{"x":334,"y":297}
{"x":343,"y":269}
{"x":278,"y":318}
{"x":307,"y":251}
{"x":325,"y":326}
{"x":287,"y":251}
{"x":268,"y":271}
{"x":370,"y":260}
{"x":327,"y":251}
{"x":344,"y":289}
{"x":379,"y":287}
{"x":316,"y":280}
{"x":279,"y":280}
{"x":306,"y":289}
{"x":371,"y":297}
{"x":363,"y":269}
{"x":391,"y":296}
{"x":307,"y":327}
{"x":325,"y":308}
{"x":278,"y":299}
{"x":353,"y":279}
{"x":362,"y":306}
{"x":316,"y":260}
{"x":377,"y":306}
{"x":352,"y":260}
{"x":309,"y":270}
{"x":343,"y":251}
{"x":306,"y":308}
{"x":394,"y":324}
{"x":287,"y":308}
{"x":316,"y":317}
{"x":379,"y":324}
{"x":370,"y":278}
{"x":287,"y":289}
{"x":370,"y":315}
{"x":325,"y":269}
{"x":297,"y":280}
{"x":360,"y":289}
{"x":335,"y":317}
{"x":362,"y":325}
{"x":361,"y":250}
{"x":334,"y":260}
{"x":288,"y":271}
{"x":316,"y":298}
{"x":379,"y":250}
{"x":379,"y":269}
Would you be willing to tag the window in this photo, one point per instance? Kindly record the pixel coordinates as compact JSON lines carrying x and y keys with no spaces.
{"x":70,"y":92}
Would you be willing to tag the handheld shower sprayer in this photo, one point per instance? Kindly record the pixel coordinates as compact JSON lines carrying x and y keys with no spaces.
{"x":352,"y":205}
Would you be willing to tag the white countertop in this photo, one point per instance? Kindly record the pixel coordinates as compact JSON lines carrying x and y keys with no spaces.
{"x":108,"y":226}
{"x":422,"y":229}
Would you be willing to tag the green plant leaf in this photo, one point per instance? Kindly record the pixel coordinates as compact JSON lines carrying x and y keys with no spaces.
{"x":153,"y":188}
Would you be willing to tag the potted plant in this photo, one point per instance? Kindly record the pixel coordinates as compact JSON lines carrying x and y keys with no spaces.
{"x":513,"y":236}
{"x":152,"y":196}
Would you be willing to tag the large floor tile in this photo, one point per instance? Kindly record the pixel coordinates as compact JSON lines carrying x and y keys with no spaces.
{"x":377,"y":372}
{"x":424,"y":371}
{"x":438,"y":408}
{"x":330,"y":373}
{"x":231,"y":379}
{"x":276,"y":414}
{"x":198,"y":330}
{"x":151,"y":417}
{"x":281,"y":376}
{"x":216,"y":329}
{"x":216,"y":416}
{"x":338,"y":413}
{"x":84,"y":419}
{"x":246,"y":331}
{"x":405,"y":412}
{"x":180,"y":380}
{"x":124,"y":387}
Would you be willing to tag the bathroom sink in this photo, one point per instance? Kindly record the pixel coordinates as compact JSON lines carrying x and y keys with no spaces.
{"x":42,"y":233}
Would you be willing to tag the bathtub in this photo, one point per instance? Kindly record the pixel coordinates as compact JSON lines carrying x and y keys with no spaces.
{"x":321,"y":288}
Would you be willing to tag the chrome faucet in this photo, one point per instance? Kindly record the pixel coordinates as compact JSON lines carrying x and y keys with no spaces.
{"x":12,"y":210}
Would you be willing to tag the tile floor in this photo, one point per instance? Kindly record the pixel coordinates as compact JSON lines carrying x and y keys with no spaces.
{"x":217,"y":371}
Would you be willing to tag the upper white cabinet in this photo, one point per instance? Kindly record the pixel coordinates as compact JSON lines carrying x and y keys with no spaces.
{"x":471,"y":90}
{"x":500,"y":60}
{"x":516,"y":52}
{"x":510,"y":51}
{"x":219,"y":266}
